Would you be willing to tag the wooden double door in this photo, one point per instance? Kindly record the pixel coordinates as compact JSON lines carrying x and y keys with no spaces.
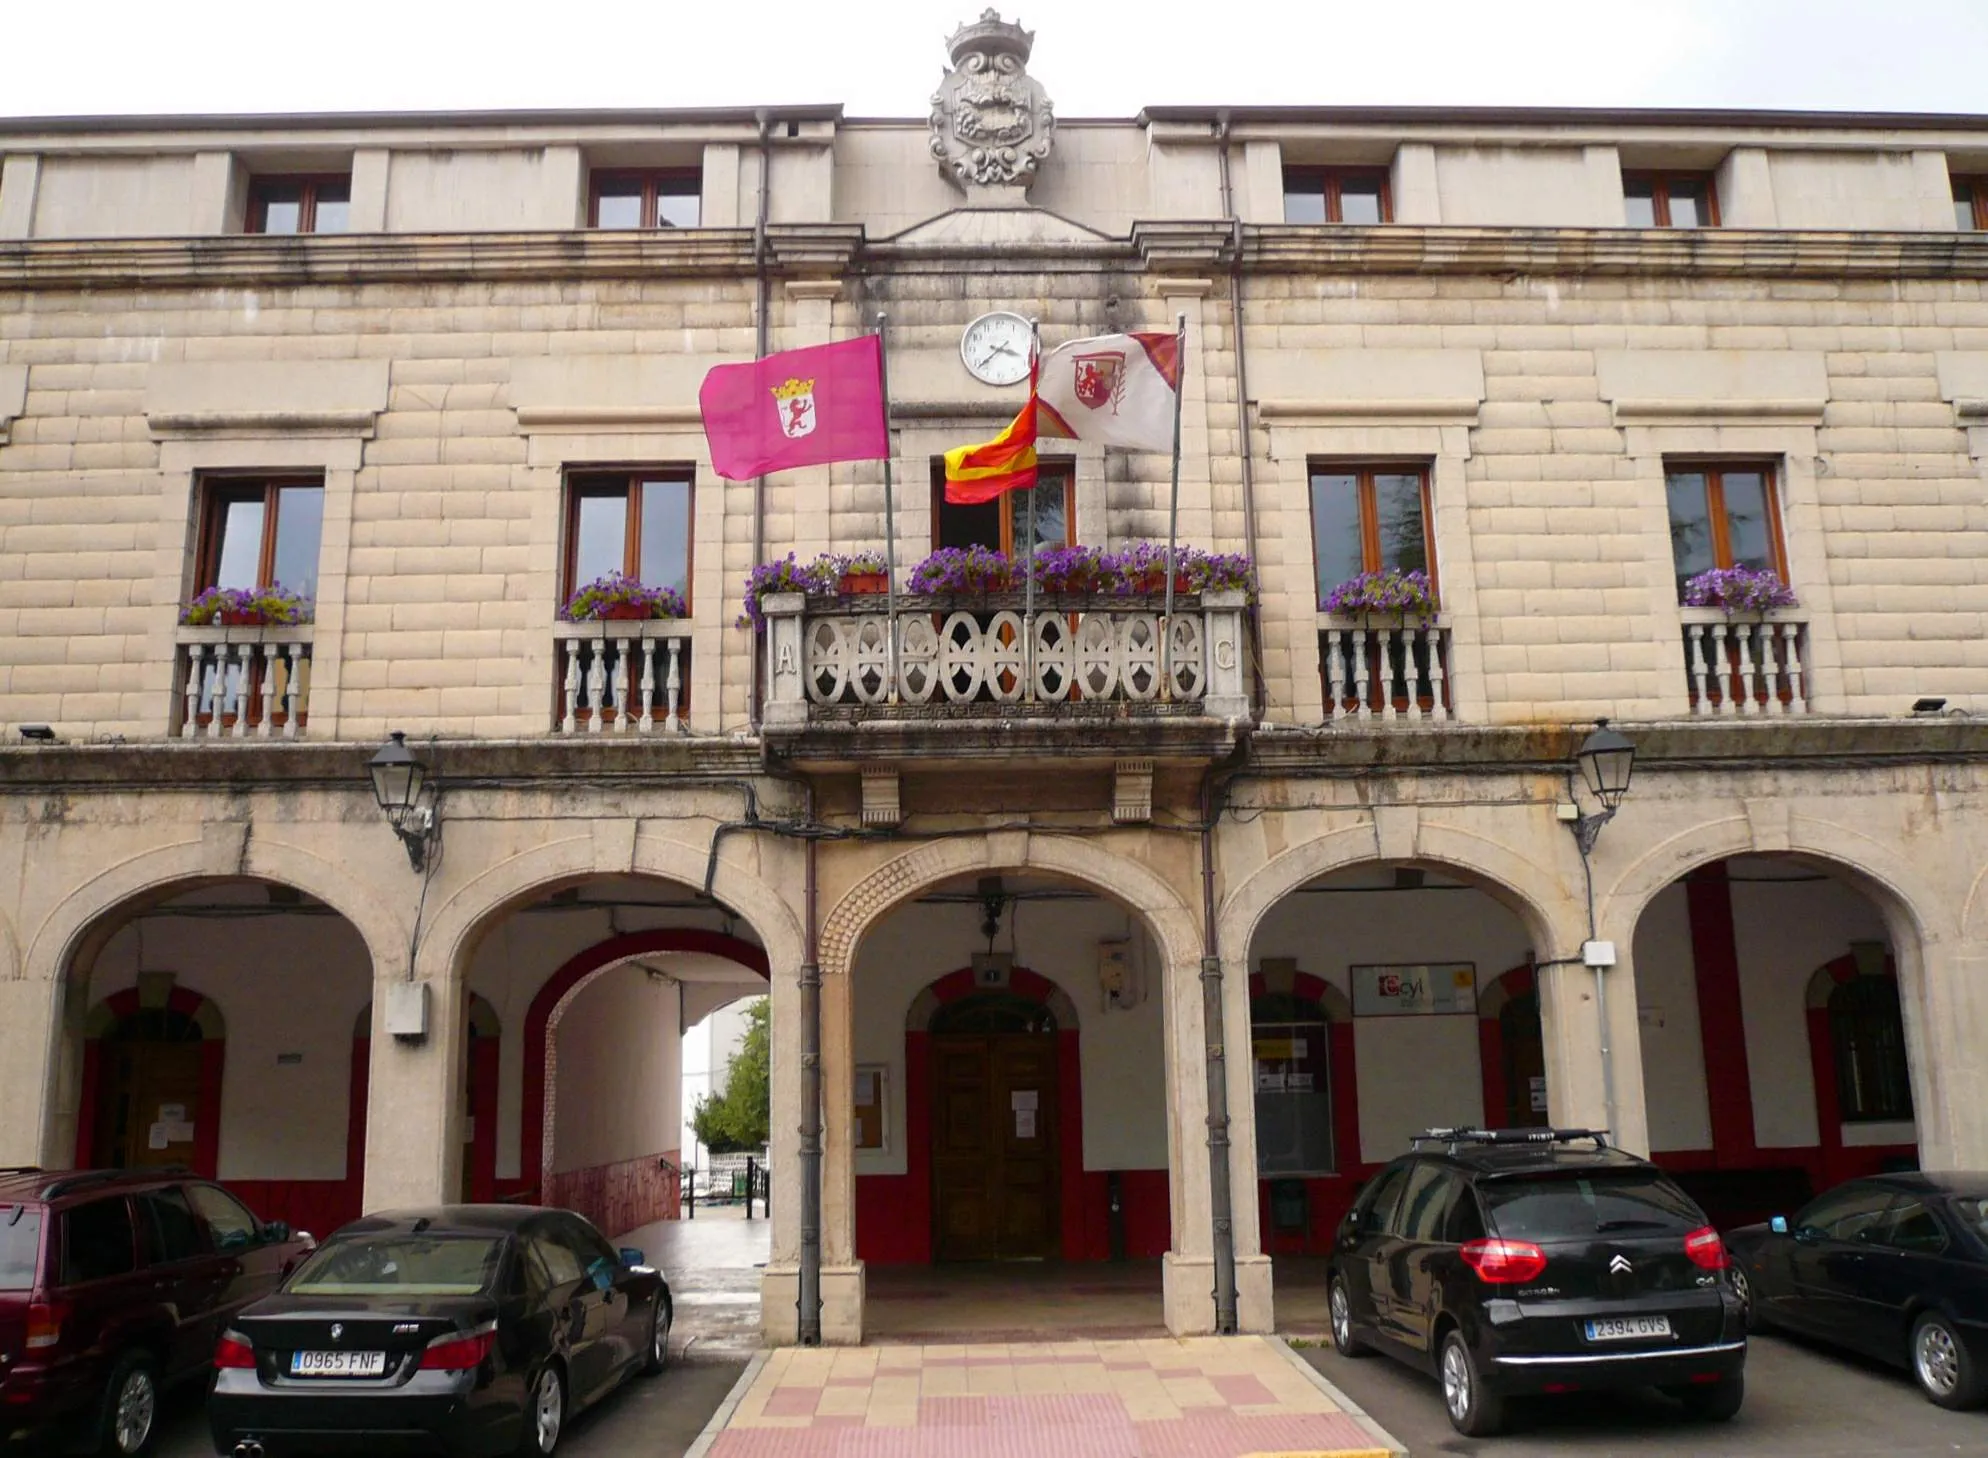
{"x":995,"y":1175}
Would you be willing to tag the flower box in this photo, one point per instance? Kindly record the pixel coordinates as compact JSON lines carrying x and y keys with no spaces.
{"x":621,"y":599}
{"x":863,"y":584}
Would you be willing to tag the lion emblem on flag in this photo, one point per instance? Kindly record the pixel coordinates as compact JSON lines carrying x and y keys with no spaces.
{"x":795,"y":400}
{"x":1100,"y":379}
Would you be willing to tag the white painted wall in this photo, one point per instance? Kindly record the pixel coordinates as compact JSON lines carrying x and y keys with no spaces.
{"x":1415,"y":1072}
{"x":620,"y":1086}
{"x":1122,"y":1057}
{"x":284,"y":984}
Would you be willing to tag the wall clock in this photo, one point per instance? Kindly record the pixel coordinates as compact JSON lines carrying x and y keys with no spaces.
{"x":995,"y":348}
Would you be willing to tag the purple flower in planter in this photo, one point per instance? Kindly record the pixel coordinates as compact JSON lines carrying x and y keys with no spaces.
{"x":784,"y":574}
{"x":275,"y":604}
{"x":617,"y":595}
{"x":1071,"y":570}
{"x":1391,"y":591}
{"x":1739,"y":590}
{"x":963,"y":569}
{"x":1219,"y":572}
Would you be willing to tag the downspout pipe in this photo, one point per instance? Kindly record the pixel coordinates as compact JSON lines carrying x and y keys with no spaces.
{"x":1246,"y":452}
{"x":809,"y":1328}
{"x":762,"y":296}
{"x":1221,"y":1198}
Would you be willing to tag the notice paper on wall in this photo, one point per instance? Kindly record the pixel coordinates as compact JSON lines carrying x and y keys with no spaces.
{"x":1024,"y":1098}
{"x":1025,"y":1123}
{"x":155,"y":1137}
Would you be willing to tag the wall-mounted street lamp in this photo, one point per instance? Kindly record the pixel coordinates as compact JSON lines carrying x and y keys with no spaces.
{"x":1606,"y":759}
{"x":398,"y":779}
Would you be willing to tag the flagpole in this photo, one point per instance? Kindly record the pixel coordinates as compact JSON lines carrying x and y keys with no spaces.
{"x":1173,"y":498}
{"x":1028,"y":547}
{"x":890,"y":518}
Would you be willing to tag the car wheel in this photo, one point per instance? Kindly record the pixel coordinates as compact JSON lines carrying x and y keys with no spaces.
{"x":1946,"y":1369}
{"x":1715,"y":1401}
{"x":1743,"y":1288}
{"x":1341,"y":1307}
{"x":128,"y":1419}
{"x":657,"y":1356}
{"x":1473,"y":1411}
{"x":545,"y":1414}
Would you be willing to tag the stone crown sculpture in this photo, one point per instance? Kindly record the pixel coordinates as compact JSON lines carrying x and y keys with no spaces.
{"x":992,"y":124}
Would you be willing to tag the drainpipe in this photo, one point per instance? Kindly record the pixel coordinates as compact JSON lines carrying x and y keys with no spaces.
{"x":810,"y":1283}
{"x":1221,"y":1201}
{"x":1248,"y":456}
{"x":762,"y":299}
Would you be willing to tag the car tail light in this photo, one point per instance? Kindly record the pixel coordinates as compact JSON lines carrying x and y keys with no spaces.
{"x":1504,"y":1262}
{"x":454,"y":1353}
{"x":1706,"y":1249}
{"x":233,"y":1350}
{"x":45,"y":1320}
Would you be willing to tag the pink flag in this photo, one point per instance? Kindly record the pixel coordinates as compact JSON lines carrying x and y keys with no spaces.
{"x":802,"y":407}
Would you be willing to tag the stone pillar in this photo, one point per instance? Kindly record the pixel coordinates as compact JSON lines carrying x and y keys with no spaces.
{"x":1578,"y":1093}
{"x":1225,"y":663}
{"x":414,"y":1087}
{"x":1943,"y":992}
{"x":779,"y":1285}
{"x":841,"y":1273}
{"x":1254,"y":1308}
{"x":1746,"y":189}
{"x":29,"y":1050}
{"x":786,"y":691}
{"x":1412,"y":182}
{"x":1187,"y":1271}
{"x":20,"y":179}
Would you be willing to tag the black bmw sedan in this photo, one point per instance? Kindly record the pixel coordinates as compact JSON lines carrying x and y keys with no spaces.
{"x":1895,"y":1266}
{"x":468,"y":1330}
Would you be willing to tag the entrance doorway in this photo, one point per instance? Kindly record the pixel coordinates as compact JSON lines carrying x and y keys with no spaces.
{"x":995,"y":1167}
{"x":151,"y":1091}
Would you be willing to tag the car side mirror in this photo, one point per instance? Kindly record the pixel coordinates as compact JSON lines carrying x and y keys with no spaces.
{"x":1352,"y":1217}
{"x":1779,"y":1225}
{"x":630,"y":1256}
{"x":276,"y":1231}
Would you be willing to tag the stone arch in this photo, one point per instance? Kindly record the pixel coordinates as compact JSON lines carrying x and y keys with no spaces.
{"x":1022,"y":983}
{"x":493,"y":893}
{"x":166,"y":871}
{"x":1900,"y":893}
{"x":102,"y":1021}
{"x":1524,"y":887}
{"x":903,"y":877}
{"x":556,"y":994}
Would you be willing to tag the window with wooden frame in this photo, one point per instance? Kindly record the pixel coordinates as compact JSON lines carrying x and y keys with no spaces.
{"x":1370,"y":518}
{"x":1353,"y":195}
{"x":633,"y":521}
{"x":1670,"y":200}
{"x":1970,"y":204}
{"x":258,"y":532}
{"x":658,"y":198}
{"x":316,"y":204}
{"x":1003,"y":522}
{"x":1723,"y":514}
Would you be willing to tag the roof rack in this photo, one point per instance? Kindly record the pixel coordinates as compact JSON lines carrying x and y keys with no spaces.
{"x":90,"y":1177}
{"x":1454,"y":1139}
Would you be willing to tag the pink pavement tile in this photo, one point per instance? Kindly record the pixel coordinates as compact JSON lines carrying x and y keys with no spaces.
{"x":791,"y":1402}
{"x":1243,"y":1391}
{"x":1058,"y":1410}
{"x":871,"y":1382}
{"x":1203,"y":1435}
{"x":952,"y":1412}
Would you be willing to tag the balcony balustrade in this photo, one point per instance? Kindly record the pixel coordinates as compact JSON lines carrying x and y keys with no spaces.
{"x":1396,"y":673}
{"x":832,"y":659}
{"x":1738,"y":668}
{"x":622,"y":676}
{"x":242,"y":683}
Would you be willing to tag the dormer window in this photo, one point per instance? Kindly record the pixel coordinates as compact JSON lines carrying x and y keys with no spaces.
{"x":300,"y":204}
{"x":1669,"y":200}
{"x":654,"y":199}
{"x":1337,"y":195}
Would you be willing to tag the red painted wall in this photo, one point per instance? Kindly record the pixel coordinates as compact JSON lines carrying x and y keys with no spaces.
{"x":621,"y":1197}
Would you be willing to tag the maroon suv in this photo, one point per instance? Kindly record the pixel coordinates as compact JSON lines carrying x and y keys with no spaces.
{"x":115,"y":1284}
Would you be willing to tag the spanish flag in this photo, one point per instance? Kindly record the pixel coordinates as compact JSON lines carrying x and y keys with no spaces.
{"x":977,"y":473}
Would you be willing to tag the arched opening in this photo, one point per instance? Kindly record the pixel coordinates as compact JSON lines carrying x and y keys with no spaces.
{"x":1775,"y":1061}
{"x":1368,"y":995}
{"x":210,"y":1031}
{"x":1011,"y":1114}
{"x":1512,"y":1052}
{"x":600,"y":976}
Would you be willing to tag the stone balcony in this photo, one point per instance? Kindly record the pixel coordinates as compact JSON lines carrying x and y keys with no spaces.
{"x":242,"y":682}
{"x":1738,"y":667}
{"x":1393,"y":673}
{"x":957,"y":661}
{"x":621,"y":677}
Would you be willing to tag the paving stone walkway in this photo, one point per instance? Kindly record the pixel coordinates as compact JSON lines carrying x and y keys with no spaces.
{"x":1208,"y":1397}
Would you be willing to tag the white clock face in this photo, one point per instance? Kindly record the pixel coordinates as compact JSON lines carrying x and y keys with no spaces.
{"x":995,"y":348}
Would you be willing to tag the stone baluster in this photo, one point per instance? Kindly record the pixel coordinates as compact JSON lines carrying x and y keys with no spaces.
{"x":1385,"y":665}
{"x":1721,"y":675}
{"x":241,"y":687}
{"x":596,"y":683}
{"x":1694,"y":668}
{"x":1439,"y":673}
{"x":644,"y":723}
{"x":1335,"y":672}
{"x":196,"y":669}
{"x":1363,"y":691}
{"x":673,"y":685}
{"x":1791,"y":646}
{"x":624,"y":675}
{"x":570,"y":720}
{"x":293,"y":693}
{"x":1745,"y":639}
{"x":264,"y":659}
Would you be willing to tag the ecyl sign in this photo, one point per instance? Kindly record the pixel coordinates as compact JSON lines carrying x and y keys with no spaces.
{"x":1445,"y":987}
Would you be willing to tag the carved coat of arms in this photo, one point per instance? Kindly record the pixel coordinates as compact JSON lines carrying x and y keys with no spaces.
{"x":991,"y":122}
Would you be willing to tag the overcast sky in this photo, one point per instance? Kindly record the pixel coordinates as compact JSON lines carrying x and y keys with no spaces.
{"x":880,"y":57}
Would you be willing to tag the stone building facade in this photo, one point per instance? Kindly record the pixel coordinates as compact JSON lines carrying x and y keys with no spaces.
{"x":1559,"y":360}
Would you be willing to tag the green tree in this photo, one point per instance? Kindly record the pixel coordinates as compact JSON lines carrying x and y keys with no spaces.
{"x":736,"y":1120}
